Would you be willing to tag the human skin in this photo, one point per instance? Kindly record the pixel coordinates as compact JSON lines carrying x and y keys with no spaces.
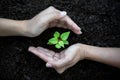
{"x":50,"y":17}
{"x":70,"y":56}
{"x":47,"y":18}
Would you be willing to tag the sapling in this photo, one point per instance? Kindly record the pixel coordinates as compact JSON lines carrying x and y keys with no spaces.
{"x":59,"y":40}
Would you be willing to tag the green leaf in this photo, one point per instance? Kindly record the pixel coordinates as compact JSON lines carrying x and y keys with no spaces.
{"x":65,"y":35}
{"x":53,"y":41}
{"x":56,"y":34}
{"x":49,"y":43}
{"x":66,"y":42}
{"x":57,"y":46}
{"x":61,"y":43}
{"x":59,"y":40}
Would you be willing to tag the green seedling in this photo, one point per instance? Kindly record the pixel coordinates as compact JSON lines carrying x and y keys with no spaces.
{"x":59,"y":40}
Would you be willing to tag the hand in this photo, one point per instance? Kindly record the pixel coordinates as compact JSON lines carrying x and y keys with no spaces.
{"x":48,"y":18}
{"x":60,"y":61}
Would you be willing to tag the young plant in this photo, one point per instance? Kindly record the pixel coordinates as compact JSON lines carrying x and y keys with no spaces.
{"x":59,"y":40}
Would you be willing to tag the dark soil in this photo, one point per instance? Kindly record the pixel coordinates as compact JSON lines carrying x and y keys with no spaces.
{"x":100,"y":23}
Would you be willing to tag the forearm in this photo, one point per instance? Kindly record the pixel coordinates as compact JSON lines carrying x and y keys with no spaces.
{"x":12,"y":27}
{"x":109,"y":56}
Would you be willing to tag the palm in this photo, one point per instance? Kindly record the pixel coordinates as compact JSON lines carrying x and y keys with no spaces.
{"x":47,"y":55}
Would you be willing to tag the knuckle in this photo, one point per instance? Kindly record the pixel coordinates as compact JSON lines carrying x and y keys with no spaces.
{"x":54,"y":11}
{"x":52,"y":8}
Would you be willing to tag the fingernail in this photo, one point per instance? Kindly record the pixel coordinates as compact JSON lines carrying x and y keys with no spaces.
{"x":80,"y":32}
{"x":63,"y":13}
{"x":48,"y":65}
{"x":30,"y":48}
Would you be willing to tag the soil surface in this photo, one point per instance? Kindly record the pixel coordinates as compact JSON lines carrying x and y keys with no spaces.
{"x":100,"y":23}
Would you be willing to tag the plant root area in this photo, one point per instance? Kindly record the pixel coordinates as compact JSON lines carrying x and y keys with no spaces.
{"x":100,"y":24}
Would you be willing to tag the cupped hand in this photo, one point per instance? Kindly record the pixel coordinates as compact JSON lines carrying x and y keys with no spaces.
{"x":60,"y":61}
{"x":48,"y":18}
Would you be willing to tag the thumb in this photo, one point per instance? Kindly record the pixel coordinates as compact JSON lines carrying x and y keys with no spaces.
{"x":48,"y":65}
{"x":54,"y":15}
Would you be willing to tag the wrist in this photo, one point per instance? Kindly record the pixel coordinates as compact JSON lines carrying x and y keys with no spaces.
{"x":26,"y":30}
{"x":23,"y":27}
{"x":30,"y":29}
{"x":82,"y":51}
{"x":90,"y":52}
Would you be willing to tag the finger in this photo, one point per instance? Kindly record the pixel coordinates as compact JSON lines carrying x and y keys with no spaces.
{"x":49,"y":10}
{"x":59,"y":63}
{"x":57,"y":55}
{"x":65,"y":25}
{"x":65,"y":58}
{"x":60,"y":67}
{"x":39,"y":54}
{"x":53,"y":23}
{"x":71,"y":25}
{"x":46,"y":51}
{"x":55,"y":15}
{"x":62,"y":55}
{"x":61,"y":24}
{"x":58,"y":23}
{"x":48,"y":65}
